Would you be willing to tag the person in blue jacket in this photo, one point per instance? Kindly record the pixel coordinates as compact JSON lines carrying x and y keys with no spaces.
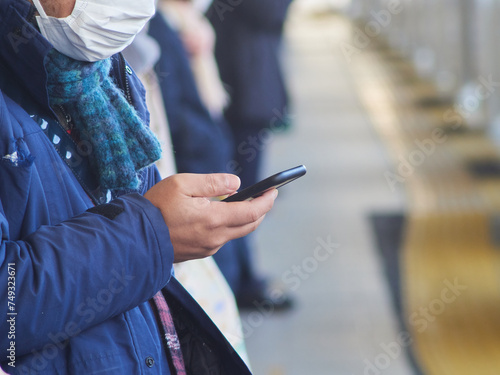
{"x":88,"y":231}
{"x":248,"y":40}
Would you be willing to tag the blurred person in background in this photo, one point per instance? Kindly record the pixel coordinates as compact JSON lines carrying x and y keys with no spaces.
{"x":88,"y":230}
{"x":195,"y":100}
{"x":248,"y":40}
{"x":200,"y":137}
{"x":202,"y":278}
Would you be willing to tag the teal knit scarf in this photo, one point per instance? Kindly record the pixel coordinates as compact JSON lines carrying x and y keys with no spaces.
{"x":121,"y":143}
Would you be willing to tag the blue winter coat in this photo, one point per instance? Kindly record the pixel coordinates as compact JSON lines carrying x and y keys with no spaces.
{"x":75,"y":278}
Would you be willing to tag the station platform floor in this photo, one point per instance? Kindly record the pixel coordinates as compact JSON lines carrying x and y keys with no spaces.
{"x":376,"y":145}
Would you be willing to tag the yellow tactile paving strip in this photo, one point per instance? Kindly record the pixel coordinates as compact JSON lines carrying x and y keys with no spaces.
{"x":450,"y":268}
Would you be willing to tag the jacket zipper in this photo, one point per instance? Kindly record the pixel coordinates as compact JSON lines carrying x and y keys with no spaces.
{"x":124,"y":71}
{"x":68,"y":125}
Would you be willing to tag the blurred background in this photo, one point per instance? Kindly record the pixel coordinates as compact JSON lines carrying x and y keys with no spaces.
{"x":390,"y":243}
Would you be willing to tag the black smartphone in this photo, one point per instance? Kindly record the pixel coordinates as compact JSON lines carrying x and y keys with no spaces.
{"x":275,"y":181}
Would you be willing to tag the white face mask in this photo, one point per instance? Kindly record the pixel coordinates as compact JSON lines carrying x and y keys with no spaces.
{"x":96,"y":29}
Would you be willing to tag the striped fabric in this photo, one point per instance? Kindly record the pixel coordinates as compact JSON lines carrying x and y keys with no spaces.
{"x":171,"y":338}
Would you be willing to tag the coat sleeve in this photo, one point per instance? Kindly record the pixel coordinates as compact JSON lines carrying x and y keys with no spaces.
{"x":62,"y":279}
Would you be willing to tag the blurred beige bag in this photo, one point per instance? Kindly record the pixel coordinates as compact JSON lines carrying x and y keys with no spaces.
{"x":204,"y":281}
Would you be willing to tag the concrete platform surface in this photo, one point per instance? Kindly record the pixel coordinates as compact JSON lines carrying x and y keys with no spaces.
{"x":317,"y":241}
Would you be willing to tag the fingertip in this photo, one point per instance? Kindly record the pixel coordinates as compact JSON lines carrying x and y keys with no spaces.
{"x":232,"y":182}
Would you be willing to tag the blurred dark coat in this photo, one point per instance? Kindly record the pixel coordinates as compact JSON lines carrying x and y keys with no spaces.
{"x":201,"y":145}
{"x":249,"y":34}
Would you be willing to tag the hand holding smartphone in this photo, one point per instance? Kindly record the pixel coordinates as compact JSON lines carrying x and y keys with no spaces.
{"x":275,"y":181}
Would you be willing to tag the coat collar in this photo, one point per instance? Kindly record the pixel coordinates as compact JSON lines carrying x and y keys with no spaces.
{"x":23,"y":49}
